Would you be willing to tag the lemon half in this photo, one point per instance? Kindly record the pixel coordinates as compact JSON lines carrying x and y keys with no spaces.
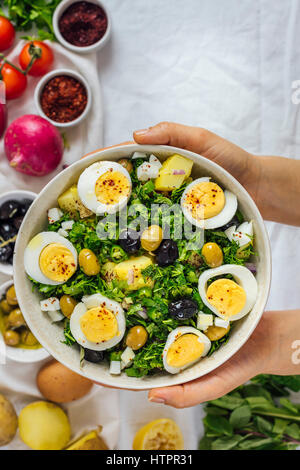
{"x":161,"y":434}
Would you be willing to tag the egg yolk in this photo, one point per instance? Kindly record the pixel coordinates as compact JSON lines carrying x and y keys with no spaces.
{"x":226,"y":296}
{"x":205,"y":200}
{"x":111,"y":187}
{"x":99,"y":324}
{"x":184,"y":350}
{"x":57,"y":262}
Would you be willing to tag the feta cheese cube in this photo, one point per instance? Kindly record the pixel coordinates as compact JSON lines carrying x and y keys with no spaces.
{"x":62,"y":232}
{"x":54,"y":215}
{"x":221,"y":323}
{"x":115,"y":368}
{"x":55,"y":316}
{"x":204,"y":320}
{"x":138,"y":155}
{"x":127,"y":356}
{"x":50,"y":305}
{"x":67,"y":225}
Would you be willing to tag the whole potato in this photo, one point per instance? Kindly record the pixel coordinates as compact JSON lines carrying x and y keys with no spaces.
{"x":59,"y":384}
{"x":8,"y":421}
{"x":44,"y":426}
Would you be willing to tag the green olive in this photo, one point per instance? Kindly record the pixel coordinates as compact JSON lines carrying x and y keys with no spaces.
{"x":5,"y":307}
{"x":67,"y":305}
{"x":151,"y":238}
{"x":212,"y":254}
{"x":11,"y":338}
{"x":11,"y":296}
{"x":16,"y":319}
{"x":28,"y":338}
{"x":136,"y":337}
{"x":88,"y":262}
{"x":126,"y":163}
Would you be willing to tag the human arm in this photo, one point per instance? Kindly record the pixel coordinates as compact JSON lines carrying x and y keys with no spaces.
{"x":273,"y":182}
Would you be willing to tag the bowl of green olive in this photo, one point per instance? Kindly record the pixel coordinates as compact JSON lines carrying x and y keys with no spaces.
{"x":16,"y":340}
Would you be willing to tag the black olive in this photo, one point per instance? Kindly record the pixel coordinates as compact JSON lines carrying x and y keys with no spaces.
{"x":7,"y":230}
{"x":183,"y":309}
{"x":93,"y":356}
{"x":167,"y":253}
{"x":17,"y":221}
{"x":5,"y":253}
{"x":9,"y":209}
{"x":25,"y":206}
{"x":233,"y":221}
{"x":129,"y":240}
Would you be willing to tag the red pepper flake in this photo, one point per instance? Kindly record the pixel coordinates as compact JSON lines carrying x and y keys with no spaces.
{"x":63,"y":98}
{"x":83,"y":24}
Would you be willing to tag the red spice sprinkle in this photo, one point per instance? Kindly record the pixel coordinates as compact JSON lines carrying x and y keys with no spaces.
{"x":63,"y":98}
{"x":83,"y":24}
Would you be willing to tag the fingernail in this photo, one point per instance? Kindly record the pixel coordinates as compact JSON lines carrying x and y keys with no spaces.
{"x":142,"y":132}
{"x":157,"y":400}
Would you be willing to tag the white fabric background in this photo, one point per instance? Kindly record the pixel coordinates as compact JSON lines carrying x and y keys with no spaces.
{"x":227,"y":66}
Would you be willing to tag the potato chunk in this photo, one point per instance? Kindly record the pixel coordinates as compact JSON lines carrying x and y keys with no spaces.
{"x":8,"y":421}
{"x":129,"y":271}
{"x":174,"y":171}
{"x":91,"y":441}
{"x":70,"y":202}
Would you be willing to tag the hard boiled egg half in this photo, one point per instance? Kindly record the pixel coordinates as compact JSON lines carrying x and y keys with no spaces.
{"x":184,"y":346}
{"x":50,"y":259}
{"x":206,"y":205}
{"x":104,"y":187}
{"x":227,"y":298}
{"x":97,"y":322}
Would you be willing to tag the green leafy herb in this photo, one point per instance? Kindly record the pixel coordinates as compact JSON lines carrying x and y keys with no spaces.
{"x":250,"y":418}
{"x":28,"y":14}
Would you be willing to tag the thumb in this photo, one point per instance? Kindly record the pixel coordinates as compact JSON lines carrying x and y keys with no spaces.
{"x":195,"y":139}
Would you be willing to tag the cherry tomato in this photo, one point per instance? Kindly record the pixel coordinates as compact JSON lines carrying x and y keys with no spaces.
{"x":7,"y":34}
{"x":41,"y":65}
{"x":15,"y":81}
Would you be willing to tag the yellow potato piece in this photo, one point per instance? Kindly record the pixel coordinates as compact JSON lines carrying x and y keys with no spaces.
{"x":129,"y":271}
{"x":161,"y":434}
{"x":216,"y":332}
{"x":70,"y":202}
{"x":8,"y":421}
{"x":44,"y":426}
{"x":91,"y":441}
{"x":167,"y":180}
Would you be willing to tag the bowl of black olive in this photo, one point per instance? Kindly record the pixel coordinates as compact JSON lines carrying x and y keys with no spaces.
{"x":13,"y":208}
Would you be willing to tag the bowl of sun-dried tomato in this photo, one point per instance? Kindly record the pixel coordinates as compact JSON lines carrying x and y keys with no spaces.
{"x":81,"y":26}
{"x":63,"y":97}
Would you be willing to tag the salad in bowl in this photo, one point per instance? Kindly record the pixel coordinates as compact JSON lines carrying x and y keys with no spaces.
{"x":146,"y":266}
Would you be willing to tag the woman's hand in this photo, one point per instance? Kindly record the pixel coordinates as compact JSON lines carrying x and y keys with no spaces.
{"x":270,"y":350}
{"x":273,"y":182}
{"x":241,"y":164}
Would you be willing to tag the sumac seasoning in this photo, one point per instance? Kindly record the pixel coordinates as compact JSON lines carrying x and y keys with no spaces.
{"x":83,"y":23}
{"x":63,"y":98}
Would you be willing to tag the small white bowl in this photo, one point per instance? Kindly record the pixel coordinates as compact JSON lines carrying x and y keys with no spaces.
{"x":18,"y":354}
{"x":18,"y":195}
{"x":56,"y":73}
{"x":81,"y":50}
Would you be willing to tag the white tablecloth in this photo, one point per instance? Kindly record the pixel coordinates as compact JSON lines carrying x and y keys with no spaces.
{"x":227,"y":66}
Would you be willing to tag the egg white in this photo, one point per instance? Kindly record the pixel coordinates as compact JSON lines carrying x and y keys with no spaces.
{"x":182,"y":330}
{"x":242,"y":276}
{"x":87,"y":182}
{"x":33,"y":251}
{"x":88,"y":302}
{"x":218,"y":220}
{"x":241,"y":235}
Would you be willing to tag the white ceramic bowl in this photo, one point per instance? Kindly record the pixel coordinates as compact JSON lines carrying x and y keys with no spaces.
{"x":18,"y":354}
{"x":50,"y":335}
{"x":18,"y":195}
{"x":81,"y":50}
{"x":55,"y":73}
